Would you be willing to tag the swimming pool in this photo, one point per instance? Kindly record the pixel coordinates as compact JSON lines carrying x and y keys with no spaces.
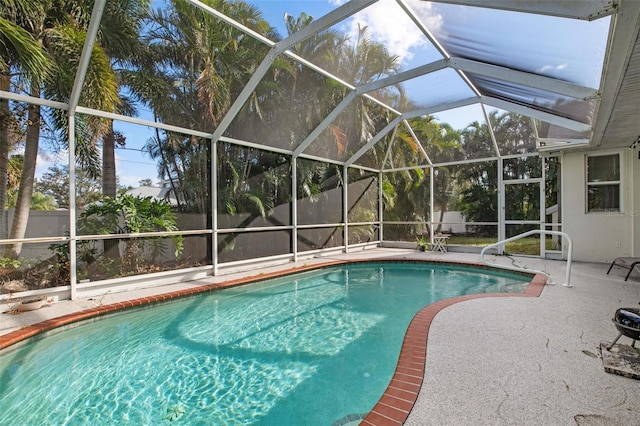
{"x":312,"y":348}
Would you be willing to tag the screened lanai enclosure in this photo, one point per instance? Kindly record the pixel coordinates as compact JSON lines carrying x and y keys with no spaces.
{"x":171,"y":139}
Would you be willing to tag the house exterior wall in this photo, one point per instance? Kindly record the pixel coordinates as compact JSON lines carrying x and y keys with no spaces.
{"x":599,"y":236}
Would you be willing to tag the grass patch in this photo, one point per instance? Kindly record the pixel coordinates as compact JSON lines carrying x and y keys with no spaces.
{"x":472,"y":241}
{"x":530,"y":246}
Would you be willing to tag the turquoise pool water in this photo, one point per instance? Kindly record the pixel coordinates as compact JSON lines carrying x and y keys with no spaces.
{"x":306,"y":349}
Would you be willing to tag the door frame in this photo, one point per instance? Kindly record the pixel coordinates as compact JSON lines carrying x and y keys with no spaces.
{"x":503,"y":221}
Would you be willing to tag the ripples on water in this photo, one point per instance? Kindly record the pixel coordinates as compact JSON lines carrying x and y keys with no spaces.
{"x":306,"y":349}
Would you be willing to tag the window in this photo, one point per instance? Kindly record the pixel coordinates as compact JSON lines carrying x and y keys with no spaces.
{"x":603,"y":183}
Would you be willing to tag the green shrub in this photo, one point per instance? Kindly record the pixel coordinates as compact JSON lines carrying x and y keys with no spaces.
{"x":127,"y":214}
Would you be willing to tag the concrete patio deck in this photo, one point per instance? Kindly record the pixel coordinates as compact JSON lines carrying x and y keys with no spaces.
{"x":492,"y":361}
{"x":531,"y":361}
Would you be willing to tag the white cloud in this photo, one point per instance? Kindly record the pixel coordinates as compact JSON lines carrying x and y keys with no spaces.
{"x":425,"y":12}
{"x":389,"y":25}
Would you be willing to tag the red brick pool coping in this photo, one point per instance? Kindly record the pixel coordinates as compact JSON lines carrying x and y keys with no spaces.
{"x":398,"y":400}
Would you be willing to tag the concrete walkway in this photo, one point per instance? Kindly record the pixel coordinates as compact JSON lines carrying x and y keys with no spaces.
{"x":502,"y":361}
{"x":531,"y":361}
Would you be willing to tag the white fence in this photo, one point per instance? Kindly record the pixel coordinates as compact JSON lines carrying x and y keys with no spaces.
{"x":452,"y":222}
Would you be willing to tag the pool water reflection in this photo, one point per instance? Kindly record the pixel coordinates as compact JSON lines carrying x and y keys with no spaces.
{"x":303,"y":349}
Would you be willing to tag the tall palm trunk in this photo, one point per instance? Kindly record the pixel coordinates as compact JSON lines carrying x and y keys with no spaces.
{"x":5,"y":116}
{"x":109,"y":163}
{"x":25,"y":190}
{"x":111,"y":247}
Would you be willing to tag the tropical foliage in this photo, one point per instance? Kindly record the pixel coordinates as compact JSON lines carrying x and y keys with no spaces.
{"x":186,"y":69}
{"x":127,"y":214}
{"x":41,"y":44}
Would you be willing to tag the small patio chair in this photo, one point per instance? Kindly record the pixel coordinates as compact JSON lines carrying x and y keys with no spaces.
{"x":625,"y":262}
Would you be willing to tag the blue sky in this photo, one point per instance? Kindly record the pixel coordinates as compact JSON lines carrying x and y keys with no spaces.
{"x":133,"y":165}
{"x":489,"y":33}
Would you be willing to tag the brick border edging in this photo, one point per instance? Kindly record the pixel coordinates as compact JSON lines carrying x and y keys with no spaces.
{"x":32,"y":330}
{"x":397,"y":401}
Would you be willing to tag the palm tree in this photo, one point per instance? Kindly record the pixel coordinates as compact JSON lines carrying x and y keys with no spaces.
{"x":61,"y":29}
{"x":184,"y":161}
{"x":406,"y":192}
{"x":478,"y":181}
{"x":359,"y":62}
{"x":448,"y":144}
{"x":194,"y":65}
{"x":412,"y":187}
{"x":22,"y":59}
{"x":293,"y":99}
{"x":192,"y":69}
{"x":120,"y":38}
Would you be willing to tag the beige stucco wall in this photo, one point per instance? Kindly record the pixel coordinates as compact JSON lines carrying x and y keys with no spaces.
{"x":599,"y":236}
